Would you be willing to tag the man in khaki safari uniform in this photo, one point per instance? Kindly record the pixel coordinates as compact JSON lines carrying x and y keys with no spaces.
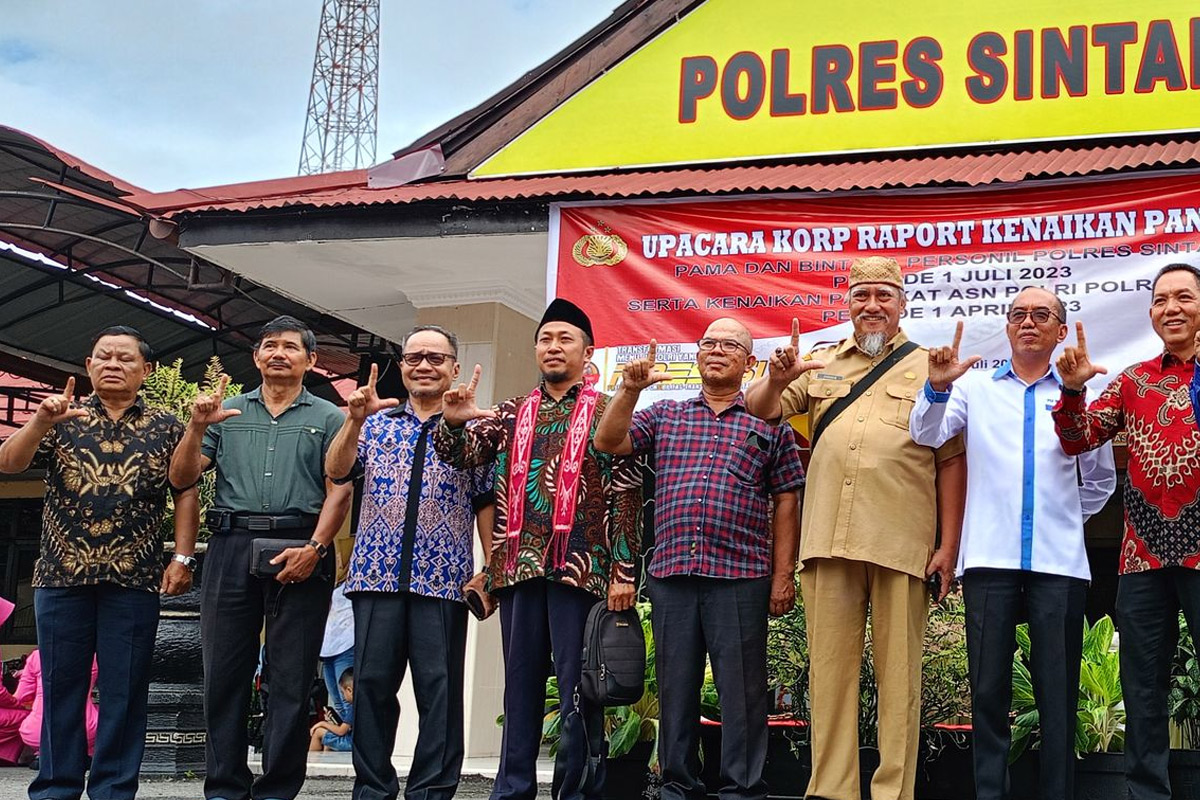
{"x":869,"y":532}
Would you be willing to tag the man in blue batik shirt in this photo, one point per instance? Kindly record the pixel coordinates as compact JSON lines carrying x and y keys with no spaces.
{"x":1022,"y":552}
{"x":412,"y":555}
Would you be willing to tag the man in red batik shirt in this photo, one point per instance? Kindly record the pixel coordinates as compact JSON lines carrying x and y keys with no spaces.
{"x":1160,"y":552}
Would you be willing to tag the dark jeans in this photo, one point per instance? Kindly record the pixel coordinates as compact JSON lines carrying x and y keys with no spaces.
{"x":117,"y":626}
{"x":233,"y":606}
{"x":392,"y":631}
{"x":1148,"y":605}
{"x":727,"y":619}
{"x":996,"y":601}
{"x":540,"y":619}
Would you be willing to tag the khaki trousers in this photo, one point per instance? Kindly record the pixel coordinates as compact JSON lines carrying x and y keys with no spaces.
{"x":836,"y":595}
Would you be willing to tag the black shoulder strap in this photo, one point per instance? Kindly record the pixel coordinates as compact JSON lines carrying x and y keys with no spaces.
{"x":868,"y":380}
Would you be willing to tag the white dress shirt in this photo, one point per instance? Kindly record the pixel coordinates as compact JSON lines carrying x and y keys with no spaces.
{"x":339,"y":625}
{"x":1026,"y":501}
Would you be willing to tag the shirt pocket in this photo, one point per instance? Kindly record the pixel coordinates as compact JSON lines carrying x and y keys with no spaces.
{"x":898,"y":404}
{"x":748,"y":464}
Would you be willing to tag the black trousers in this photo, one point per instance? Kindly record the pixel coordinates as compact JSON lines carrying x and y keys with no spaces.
{"x":1148,"y":605}
{"x":393,"y":631}
{"x":117,"y":626}
{"x":233,"y":607}
{"x":540,"y":619}
{"x":727,"y":619}
{"x":996,"y":600}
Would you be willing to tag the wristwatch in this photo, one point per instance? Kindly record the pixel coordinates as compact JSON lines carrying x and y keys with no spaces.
{"x":320,"y":548}
{"x":187,"y":561}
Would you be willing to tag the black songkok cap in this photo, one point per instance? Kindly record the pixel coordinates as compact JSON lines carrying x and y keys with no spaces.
{"x":561,"y":310}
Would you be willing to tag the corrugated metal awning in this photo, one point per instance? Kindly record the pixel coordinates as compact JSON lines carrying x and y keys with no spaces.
{"x":898,"y":172}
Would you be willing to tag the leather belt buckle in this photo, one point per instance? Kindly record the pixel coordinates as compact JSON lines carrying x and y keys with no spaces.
{"x":260,"y":523}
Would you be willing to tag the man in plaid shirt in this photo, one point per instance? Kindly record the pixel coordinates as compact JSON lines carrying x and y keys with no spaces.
{"x":720,"y":562}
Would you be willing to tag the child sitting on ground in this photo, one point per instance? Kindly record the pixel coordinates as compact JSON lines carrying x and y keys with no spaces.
{"x":329,"y":735}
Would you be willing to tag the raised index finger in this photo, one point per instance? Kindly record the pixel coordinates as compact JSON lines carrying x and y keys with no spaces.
{"x":651,"y":354}
{"x":69,"y":389}
{"x":222,"y":383}
{"x":958,"y":331}
{"x":1079,"y":337}
{"x":795,"y":334}
{"x":373,"y":376}
{"x":475,"y":378}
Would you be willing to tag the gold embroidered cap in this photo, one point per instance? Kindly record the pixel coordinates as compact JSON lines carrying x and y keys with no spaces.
{"x":875,"y":269}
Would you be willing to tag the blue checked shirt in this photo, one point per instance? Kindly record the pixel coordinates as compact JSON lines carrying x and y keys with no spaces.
{"x":715,"y":475}
{"x":417,"y":515}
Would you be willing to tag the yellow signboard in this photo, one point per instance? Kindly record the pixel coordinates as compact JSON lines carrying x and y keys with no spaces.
{"x":754,"y":79}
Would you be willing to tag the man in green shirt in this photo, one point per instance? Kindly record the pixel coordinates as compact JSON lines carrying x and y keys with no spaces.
{"x":268,"y":447}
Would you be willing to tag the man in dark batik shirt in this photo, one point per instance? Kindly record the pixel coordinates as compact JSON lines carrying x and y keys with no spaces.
{"x":565,"y":539}
{"x":97,"y":581}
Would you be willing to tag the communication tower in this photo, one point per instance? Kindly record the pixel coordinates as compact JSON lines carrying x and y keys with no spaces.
{"x":342,"y":103}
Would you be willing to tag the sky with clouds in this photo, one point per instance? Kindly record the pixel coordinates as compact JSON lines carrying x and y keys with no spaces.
{"x":168,"y":94}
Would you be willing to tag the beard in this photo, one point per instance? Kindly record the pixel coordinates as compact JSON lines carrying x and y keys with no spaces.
{"x":871,"y":343}
{"x":556,"y":376}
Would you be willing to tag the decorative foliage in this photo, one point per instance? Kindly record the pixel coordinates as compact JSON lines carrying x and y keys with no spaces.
{"x":945,"y":689}
{"x":945,"y":679}
{"x":787,"y":658}
{"x":1100,"y":721}
{"x":166,"y":388}
{"x":1183,"y":702}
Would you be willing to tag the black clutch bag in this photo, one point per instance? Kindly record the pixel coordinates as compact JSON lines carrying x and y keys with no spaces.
{"x":263,"y":550}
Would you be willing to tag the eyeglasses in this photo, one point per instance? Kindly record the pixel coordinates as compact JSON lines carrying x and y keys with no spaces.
{"x":727,"y":346}
{"x":1040,"y":315}
{"x":434,"y":359}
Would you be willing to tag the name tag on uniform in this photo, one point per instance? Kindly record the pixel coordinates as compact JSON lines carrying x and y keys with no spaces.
{"x":825,"y":376}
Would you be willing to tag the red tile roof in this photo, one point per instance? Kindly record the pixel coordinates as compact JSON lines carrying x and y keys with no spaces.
{"x":348,"y":189}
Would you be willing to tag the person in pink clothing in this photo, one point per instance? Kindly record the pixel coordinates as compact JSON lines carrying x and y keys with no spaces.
{"x":12,"y":711}
{"x":29,"y":690}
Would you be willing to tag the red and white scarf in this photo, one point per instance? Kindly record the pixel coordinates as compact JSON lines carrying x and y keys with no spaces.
{"x":569,"y":471}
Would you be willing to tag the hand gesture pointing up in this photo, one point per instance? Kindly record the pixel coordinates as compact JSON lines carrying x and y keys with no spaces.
{"x":944,"y":365}
{"x":57,"y":407}
{"x":365,"y":401}
{"x":1075,"y":368}
{"x":641,"y":373}
{"x":458,"y":405}
{"x":207,"y":409}
{"x":786,"y":364}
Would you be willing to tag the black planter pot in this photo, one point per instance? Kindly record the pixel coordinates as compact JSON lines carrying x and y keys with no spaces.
{"x":789,"y":763}
{"x":175,"y":735}
{"x":627,"y":776}
{"x":1185,"y":774}
{"x":1101,"y":776}
{"x":945,"y":770}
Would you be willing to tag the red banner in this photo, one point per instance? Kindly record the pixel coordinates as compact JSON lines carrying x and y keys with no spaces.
{"x":665,"y":270}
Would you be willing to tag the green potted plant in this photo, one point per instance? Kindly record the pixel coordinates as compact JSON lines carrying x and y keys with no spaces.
{"x":945,"y":765}
{"x":1183,"y":704}
{"x":175,"y":737}
{"x":168,"y":389}
{"x":1100,"y":722}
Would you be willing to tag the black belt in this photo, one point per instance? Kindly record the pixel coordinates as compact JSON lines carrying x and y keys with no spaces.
{"x":220,"y":520}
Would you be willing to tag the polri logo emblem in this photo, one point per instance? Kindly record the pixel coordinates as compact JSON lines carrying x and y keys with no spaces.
{"x":600,"y":248}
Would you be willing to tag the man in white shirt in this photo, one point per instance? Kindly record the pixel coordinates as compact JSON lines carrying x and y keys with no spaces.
{"x":1022,"y":552}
